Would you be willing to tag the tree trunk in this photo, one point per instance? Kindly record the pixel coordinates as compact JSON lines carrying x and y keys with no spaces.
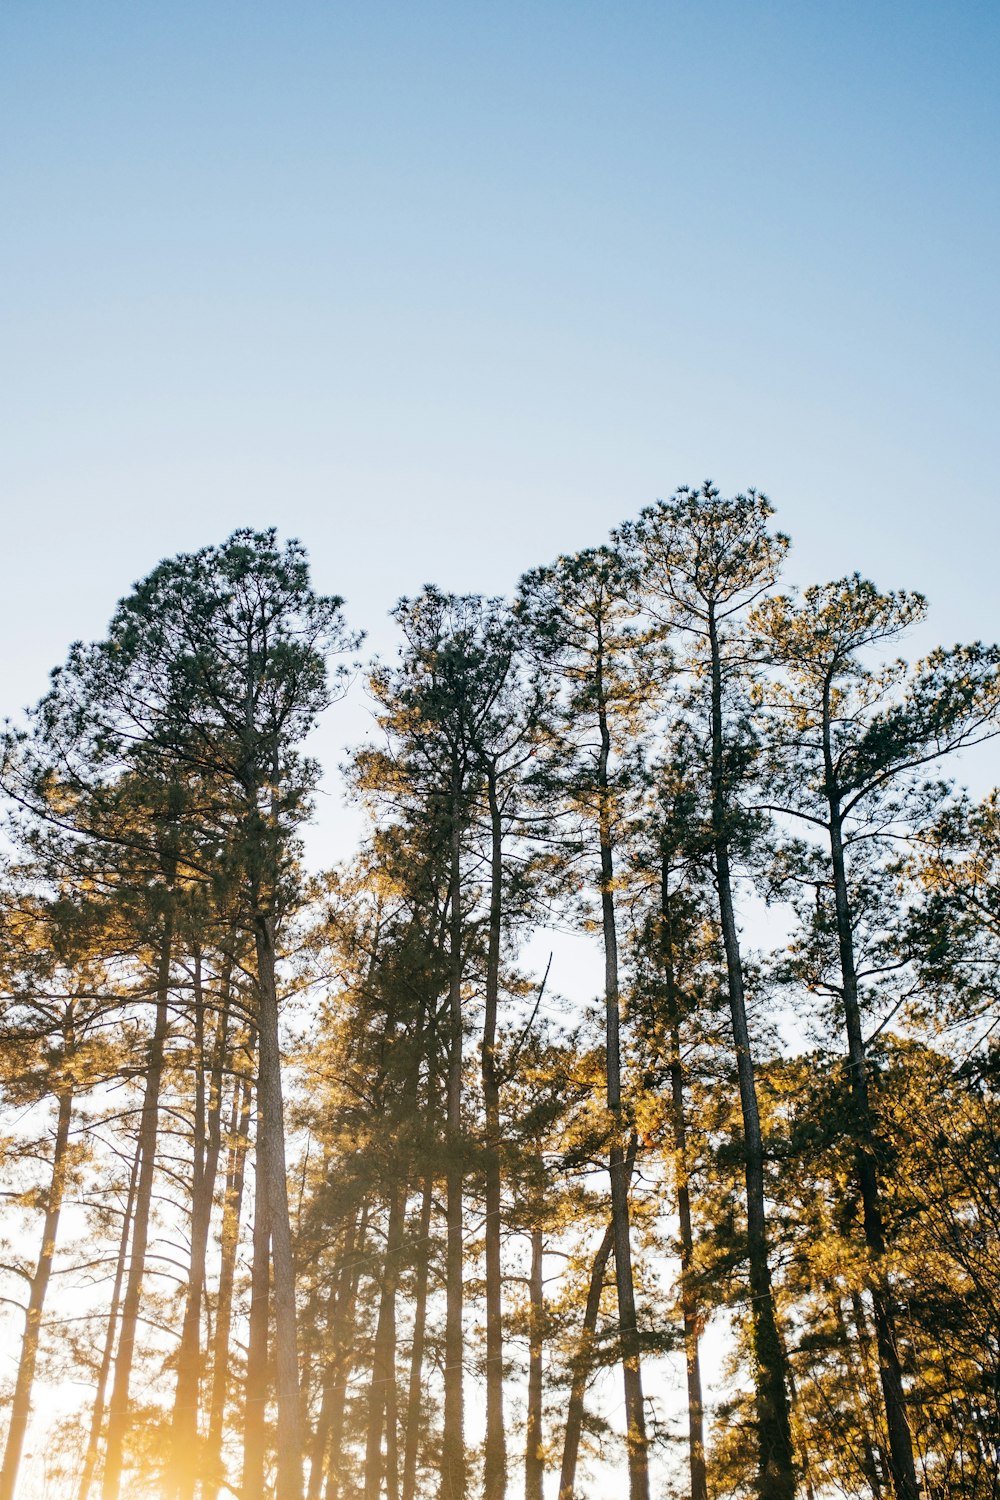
{"x":495,"y":1456}
{"x":20,"y":1408}
{"x":411,"y":1446}
{"x":271,"y":1162}
{"x":100,"y":1393}
{"x":118,"y":1412}
{"x":901,"y":1461}
{"x":453,"y":1467}
{"x":534,"y":1457}
{"x":805,"y":1466}
{"x":206,"y":1149}
{"x":232,"y":1209}
{"x":581,"y":1364}
{"x":776,"y":1479}
{"x":382,"y":1388}
{"x":635,"y":1414}
{"x":255,"y":1409}
{"x":864,"y":1341}
{"x":857,"y":1381}
{"x":392,"y":1440}
{"x":341,"y":1356}
{"x":689,"y":1301}
{"x":345,"y":1270}
{"x":581,"y":1368}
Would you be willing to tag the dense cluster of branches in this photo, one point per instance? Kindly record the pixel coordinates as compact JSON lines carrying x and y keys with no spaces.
{"x":318,"y":1187}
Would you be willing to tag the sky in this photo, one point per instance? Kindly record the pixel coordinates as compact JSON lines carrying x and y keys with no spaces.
{"x":446,"y":289}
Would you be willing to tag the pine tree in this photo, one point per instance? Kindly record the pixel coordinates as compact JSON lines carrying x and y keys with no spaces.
{"x":703,"y":561}
{"x":849,"y":741}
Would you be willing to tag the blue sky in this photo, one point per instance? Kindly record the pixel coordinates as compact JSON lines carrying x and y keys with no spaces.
{"x":447,"y":288}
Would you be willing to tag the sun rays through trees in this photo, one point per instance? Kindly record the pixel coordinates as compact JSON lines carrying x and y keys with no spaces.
{"x":518,"y":1152}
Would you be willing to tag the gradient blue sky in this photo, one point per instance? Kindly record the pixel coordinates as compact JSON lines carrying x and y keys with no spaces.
{"x":447,"y":288}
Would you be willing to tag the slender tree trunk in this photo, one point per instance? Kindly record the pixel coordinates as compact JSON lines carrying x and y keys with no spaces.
{"x":453,"y":1463}
{"x":20,"y":1408}
{"x":857,"y":1381}
{"x":901,"y":1460}
{"x":392,"y":1441}
{"x":341,"y":1355}
{"x":232,"y":1209}
{"x":689,"y":1301}
{"x":777,"y":1467}
{"x":100,"y":1393}
{"x":805,"y":1465}
{"x":864,"y":1342}
{"x":411,"y":1445}
{"x":495,"y":1456}
{"x":383,"y":1407}
{"x":635,"y":1414}
{"x":344,"y":1270}
{"x":271,"y":1162}
{"x":321,"y":1431}
{"x":118,"y":1411}
{"x":581,"y":1363}
{"x":534,"y":1457}
{"x":255,"y":1409}
{"x":581,"y":1367}
{"x":382,"y":1388}
{"x":207,"y":1146}
{"x":330,"y":1422}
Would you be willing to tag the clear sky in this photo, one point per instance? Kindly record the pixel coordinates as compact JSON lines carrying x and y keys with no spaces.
{"x":447,"y":288}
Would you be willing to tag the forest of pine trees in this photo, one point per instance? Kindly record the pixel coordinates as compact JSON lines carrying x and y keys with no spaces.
{"x":622,"y":1115}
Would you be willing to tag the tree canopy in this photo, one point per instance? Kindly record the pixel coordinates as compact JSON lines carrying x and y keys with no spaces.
{"x":516,"y":1152}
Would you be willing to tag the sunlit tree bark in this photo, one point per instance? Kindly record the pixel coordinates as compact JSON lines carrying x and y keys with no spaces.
{"x":119,"y":1407}
{"x":580,"y":617}
{"x":100,"y":1393}
{"x":20,"y":1407}
{"x":703,"y":561}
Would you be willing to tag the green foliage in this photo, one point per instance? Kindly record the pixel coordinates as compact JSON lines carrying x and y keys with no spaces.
{"x":577,"y":760}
